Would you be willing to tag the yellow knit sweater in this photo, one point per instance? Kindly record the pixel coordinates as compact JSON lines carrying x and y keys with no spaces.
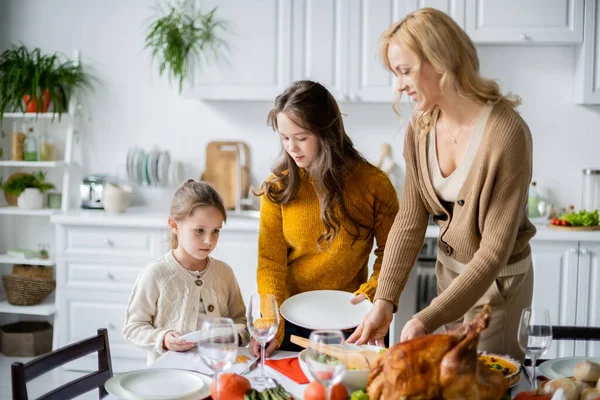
{"x":289,"y":260}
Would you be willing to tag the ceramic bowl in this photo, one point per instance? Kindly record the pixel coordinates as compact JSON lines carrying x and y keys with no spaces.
{"x":353,"y":379}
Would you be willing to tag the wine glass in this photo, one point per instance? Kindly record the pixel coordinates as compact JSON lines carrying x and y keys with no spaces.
{"x":263,"y":322}
{"x":326,"y":370}
{"x":535,"y":335}
{"x":218,"y":345}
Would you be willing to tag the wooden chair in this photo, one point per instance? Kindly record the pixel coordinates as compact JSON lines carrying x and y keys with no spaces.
{"x":571,"y":333}
{"x":23,"y":373}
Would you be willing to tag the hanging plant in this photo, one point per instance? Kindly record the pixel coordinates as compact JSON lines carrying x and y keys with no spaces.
{"x":182,"y":39}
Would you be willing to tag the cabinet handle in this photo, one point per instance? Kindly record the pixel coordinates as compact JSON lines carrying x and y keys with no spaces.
{"x":573,"y":250}
{"x":524,"y":36}
{"x":110,"y":243}
{"x":110,"y":276}
{"x":583,"y":252}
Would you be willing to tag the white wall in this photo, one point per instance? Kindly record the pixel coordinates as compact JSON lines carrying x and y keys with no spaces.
{"x":132,"y":106}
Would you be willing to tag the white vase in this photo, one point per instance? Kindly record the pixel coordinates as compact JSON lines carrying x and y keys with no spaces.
{"x":31,"y":198}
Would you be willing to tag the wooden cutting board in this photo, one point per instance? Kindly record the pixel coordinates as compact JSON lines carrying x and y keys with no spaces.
{"x":222,"y":162}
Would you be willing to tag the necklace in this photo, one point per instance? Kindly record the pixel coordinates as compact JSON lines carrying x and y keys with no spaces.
{"x":455,"y":138}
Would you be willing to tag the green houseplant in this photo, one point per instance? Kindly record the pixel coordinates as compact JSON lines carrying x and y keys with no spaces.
{"x":30,"y":81}
{"x":17,"y":183}
{"x":181,"y":38}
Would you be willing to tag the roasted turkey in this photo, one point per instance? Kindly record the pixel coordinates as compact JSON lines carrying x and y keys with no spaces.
{"x":444,"y":366}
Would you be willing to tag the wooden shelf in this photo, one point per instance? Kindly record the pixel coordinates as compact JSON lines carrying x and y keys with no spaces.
{"x":5,"y":259}
{"x":45,"y":308}
{"x":43,"y":212}
{"x":32,"y":164}
{"x":34,"y":115}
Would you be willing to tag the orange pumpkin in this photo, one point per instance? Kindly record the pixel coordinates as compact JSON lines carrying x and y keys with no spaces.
{"x":316,"y":391}
{"x":231,"y":387}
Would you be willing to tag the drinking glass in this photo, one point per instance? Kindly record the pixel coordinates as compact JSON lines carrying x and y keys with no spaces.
{"x":218,"y":346}
{"x":263,"y":322}
{"x":535,"y":335}
{"x":327,"y":370}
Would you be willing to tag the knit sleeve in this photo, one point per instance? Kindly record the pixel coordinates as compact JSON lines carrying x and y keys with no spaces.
{"x":501,"y":226}
{"x":406,"y":236}
{"x":385,"y":208}
{"x":141,"y":311}
{"x":272,"y":256}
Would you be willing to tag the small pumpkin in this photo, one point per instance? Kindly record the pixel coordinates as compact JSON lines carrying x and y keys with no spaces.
{"x":316,"y":391}
{"x":231,"y":387}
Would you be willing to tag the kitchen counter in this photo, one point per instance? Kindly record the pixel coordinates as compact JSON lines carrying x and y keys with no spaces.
{"x":143,"y":217}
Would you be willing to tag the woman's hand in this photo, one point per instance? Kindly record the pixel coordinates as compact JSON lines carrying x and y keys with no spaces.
{"x":173,"y":342}
{"x":375,"y":325}
{"x":412,"y":329}
{"x":255,"y":348}
{"x":357,"y":298}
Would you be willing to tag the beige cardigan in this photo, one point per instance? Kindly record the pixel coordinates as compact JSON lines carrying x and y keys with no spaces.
{"x":166,"y":298}
{"x":488,"y":228}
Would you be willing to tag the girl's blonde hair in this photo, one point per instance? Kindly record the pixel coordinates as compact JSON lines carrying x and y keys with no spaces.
{"x":438,"y":40}
{"x":190,"y":196}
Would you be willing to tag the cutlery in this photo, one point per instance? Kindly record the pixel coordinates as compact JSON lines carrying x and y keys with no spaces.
{"x":355,"y":359}
{"x":251,"y":367}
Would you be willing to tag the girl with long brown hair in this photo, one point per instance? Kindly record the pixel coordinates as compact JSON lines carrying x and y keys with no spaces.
{"x":468,"y":160}
{"x":322,"y":208}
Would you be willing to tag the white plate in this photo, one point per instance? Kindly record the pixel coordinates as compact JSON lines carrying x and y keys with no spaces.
{"x":196,"y":336}
{"x":159,"y":384}
{"x":562,"y":367}
{"x":324,"y":309}
{"x":164,"y":162}
{"x":176,"y":173}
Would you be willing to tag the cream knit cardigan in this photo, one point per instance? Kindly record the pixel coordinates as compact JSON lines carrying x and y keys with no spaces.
{"x":166,"y":298}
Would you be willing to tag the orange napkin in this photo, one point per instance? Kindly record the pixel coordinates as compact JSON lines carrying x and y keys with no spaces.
{"x":289,"y":367}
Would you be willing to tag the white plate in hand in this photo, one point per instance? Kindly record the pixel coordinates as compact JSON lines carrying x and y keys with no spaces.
{"x":562,"y":367}
{"x":159,"y":384}
{"x":324,"y":309}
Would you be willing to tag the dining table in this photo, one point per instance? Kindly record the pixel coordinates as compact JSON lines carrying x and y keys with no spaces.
{"x":190,"y":360}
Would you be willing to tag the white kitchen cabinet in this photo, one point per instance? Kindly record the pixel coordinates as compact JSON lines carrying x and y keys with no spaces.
{"x":256,"y":65}
{"x":555,"y":287}
{"x":531,"y":21}
{"x":588,"y":295}
{"x":587,"y":66}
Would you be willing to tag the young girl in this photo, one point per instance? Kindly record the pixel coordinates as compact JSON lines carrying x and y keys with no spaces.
{"x":173,"y":294}
{"x":322,"y":208}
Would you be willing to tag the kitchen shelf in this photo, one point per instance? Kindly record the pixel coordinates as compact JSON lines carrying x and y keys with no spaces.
{"x":35,"y":116}
{"x":6,"y":259}
{"x":46,"y":308}
{"x":43,"y":212}
{"x":32,"y":164}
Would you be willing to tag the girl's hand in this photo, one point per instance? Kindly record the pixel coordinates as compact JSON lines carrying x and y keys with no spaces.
{"x":412,"y":329}
{"x":255,"y":348}
{"x":357,"y":298}
{"x":174,"y":343}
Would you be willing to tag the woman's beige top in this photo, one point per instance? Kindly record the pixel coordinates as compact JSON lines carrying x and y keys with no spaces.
{"x":487,"y":230}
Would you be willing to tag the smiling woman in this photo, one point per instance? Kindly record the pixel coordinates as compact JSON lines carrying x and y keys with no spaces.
{"x":322,"y":208}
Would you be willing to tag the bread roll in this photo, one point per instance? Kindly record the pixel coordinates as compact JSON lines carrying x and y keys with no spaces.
{"x":587,"y":371}
{"x":590,"y":394}
{"x":567,"y":384}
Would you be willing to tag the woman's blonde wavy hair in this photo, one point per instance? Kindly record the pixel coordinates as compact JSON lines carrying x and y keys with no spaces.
{"x":436,"y":39}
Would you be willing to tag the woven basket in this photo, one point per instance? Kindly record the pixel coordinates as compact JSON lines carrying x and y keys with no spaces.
{"x":27,"y":291}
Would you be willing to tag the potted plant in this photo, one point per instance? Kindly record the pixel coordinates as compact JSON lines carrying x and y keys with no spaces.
{"x":31,"y":81}
{"x":183,"y":38}
{"x":25,"y":190}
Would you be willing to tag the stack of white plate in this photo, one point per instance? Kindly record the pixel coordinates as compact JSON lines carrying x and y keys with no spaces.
{"x":154,"y":168}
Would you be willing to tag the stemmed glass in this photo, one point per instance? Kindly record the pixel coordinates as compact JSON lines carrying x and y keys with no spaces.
{"x":327,"y":370}
{"x":218,"y":345}
{"x":263,"y":322}
{"x":535,"y":335}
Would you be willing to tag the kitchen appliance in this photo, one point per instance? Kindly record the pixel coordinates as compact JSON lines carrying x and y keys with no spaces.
{"x":92,"y":189}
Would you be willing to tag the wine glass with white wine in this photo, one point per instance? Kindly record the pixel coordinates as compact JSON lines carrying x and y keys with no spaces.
{"x":535,"y":335}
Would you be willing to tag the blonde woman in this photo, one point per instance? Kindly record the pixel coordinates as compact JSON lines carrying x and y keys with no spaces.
{"x":468,"y":160}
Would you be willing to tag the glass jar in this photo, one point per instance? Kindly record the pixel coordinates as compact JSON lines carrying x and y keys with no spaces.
{"x":590,"y":194}
{"x":31,"y":148}
{"x":47,"y":149}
